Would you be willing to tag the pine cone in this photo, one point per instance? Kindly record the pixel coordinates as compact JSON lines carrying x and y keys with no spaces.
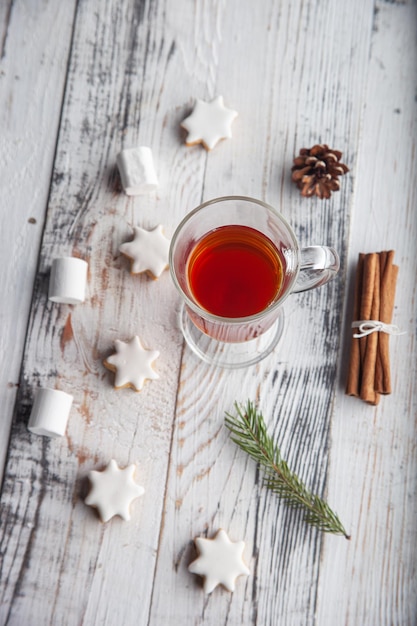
{"x":317,"y":170}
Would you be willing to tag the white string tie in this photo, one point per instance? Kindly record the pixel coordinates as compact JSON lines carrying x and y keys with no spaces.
{"x":367,"y":327}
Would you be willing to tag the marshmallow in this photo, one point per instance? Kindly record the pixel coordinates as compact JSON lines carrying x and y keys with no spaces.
{"x":50,"y":412}
{"x":68,"y":280}
{"x":137,"y":171}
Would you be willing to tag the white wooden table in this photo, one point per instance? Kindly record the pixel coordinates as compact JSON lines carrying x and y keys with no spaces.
{"x":79,"y":81}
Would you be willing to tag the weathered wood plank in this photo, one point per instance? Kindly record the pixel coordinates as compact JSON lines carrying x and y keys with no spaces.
{"x":110,"y":100}
{"x":32,"y":81}
{"x":297,"y":74}
{"x":211,"y":485}
{"x":373,"y":453}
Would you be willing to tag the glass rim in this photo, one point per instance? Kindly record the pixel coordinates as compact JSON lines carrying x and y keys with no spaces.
{"x":194,"y":305}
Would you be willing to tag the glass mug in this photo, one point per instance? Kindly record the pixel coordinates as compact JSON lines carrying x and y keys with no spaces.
{"x":234,"y":261}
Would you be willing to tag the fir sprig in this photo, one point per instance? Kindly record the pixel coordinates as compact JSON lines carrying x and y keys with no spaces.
{"x":248,"y":431}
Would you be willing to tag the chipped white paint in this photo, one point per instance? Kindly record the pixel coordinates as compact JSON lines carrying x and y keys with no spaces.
{"x":298,"y":73}
{"x":32,"y":81}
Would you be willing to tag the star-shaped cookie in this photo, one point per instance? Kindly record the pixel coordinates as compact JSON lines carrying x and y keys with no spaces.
{"x":148,"y":251}
{"x":219,"y":562}
{"x":132,"y":364}
{"x":113,"y":490}
{"x":208,"y":123}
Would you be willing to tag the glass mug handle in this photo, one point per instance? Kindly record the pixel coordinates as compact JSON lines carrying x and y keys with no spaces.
{"x":319,"y":264}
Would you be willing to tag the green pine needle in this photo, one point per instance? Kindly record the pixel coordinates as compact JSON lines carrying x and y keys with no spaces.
{"x":248,"y":431}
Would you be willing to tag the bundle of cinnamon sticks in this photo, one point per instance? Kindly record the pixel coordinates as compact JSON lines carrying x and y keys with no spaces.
{"x":369,"y":373}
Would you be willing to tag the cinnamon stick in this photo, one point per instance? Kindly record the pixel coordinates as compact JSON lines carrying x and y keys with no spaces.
{"x":354,"y":371}
{"x":378,"y":368}
{"x":369,"y":344}
{"x":388,"y":286}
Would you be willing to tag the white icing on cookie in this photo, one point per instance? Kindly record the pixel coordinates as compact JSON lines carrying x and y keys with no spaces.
{"x":148,"y":251}
{"x":132,"y":364}
{"x":220,"y":561}
{"x":208,"y":123}
{"x":113,"y":490}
